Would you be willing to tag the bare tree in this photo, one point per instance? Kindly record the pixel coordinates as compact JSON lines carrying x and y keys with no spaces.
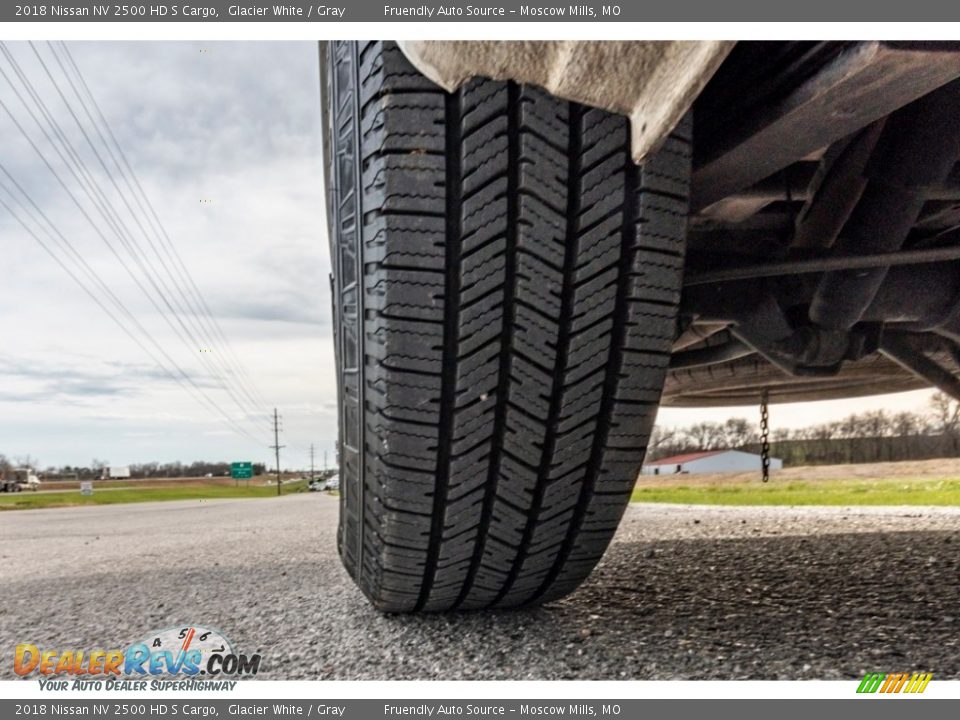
{"x":706,"y":435}
{"x":660,"y":438}
{"x":864,"y":437}
{"x":738,"y":432}
{"x":946,"y":416}
{"x":946,"y":413}
{"x":850,"y":426}
{"x":781,"y":434}
{"x":26,"y":461}
{"x":906,"y":423}
{"x":876,"y":423}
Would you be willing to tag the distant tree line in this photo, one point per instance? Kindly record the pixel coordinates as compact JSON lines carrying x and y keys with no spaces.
{"x":874,"y":436}
{"x":96,"y":468}
{"x":194,"y":469}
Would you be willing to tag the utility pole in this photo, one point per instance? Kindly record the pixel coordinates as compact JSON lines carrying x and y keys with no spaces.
{"x":311,"y":461}
{"x":324,"y":462}
{"x":276,"y":444}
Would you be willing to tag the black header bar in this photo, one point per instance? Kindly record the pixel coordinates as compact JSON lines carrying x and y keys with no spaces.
{"x":214,"y":11}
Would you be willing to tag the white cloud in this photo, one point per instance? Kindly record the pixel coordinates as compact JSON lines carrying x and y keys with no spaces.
{"x":236,"y":126}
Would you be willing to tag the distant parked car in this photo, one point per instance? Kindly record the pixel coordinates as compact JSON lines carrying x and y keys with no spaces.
{"x":332,"y":483}
{"x":315,"y":485}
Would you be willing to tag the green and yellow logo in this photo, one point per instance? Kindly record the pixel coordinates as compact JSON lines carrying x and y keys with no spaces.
{"x":894,"y":682}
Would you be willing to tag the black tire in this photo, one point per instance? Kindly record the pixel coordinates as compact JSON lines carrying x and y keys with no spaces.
{"x":506,"y":284}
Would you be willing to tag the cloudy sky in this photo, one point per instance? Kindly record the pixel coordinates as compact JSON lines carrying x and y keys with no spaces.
{"x":225,"y":141}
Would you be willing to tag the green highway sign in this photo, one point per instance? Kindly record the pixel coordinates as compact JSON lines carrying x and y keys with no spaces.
{"x":241,"y":470}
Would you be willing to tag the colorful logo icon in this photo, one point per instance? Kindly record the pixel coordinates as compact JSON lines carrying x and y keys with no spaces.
{"x":894,"y":683}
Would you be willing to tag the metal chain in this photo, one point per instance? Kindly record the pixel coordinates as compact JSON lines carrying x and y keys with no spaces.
{"x":765,"y":434}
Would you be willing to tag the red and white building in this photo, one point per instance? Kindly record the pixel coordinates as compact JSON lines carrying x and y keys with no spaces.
{"x":708,"y":461}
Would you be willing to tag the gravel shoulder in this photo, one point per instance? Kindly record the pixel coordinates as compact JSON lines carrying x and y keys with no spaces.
{"x":683,"y":593}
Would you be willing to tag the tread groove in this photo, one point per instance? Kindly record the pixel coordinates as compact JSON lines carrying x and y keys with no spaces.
{"x":610,"y":384}
{"x":565,"y":326}
{"x":361,"y":369}
{"x":451,"y":310}
{"x":503,"y":383}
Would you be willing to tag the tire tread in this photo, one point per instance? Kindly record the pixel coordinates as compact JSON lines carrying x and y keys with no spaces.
{"x":505,"y":297}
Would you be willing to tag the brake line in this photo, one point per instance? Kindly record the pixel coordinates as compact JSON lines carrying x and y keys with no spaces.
{"x":816,"y":265}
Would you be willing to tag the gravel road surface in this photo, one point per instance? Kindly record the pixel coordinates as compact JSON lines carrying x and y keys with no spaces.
{"x":683,"y":592}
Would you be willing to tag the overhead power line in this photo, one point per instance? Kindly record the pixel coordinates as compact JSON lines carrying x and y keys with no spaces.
{"x":190,"y":336}
{"x":192,"y":321}
{"x":168,"y":243}
{"x":71,"y":195}
{"x":192,"y":295}
{"x":181,"y":378}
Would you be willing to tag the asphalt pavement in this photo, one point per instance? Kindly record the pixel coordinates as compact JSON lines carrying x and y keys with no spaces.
{"x":683,"y":593}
